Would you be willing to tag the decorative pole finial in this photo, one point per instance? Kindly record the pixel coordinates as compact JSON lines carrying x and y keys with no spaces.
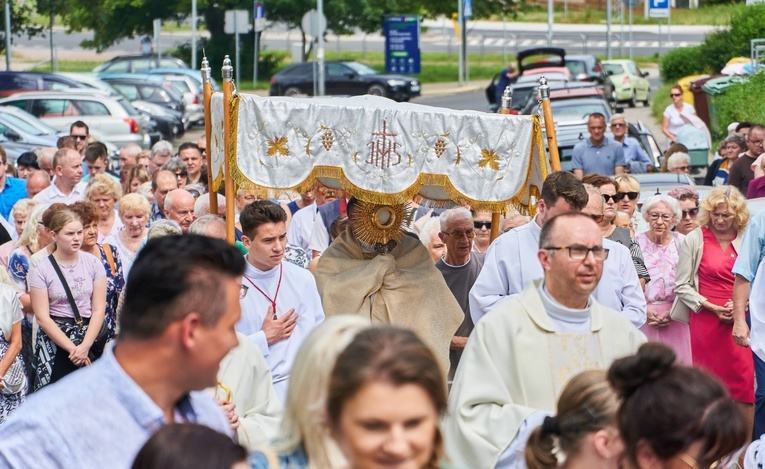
{"x":206,"y":70}
{"x":507,"y":101}
{"x":544,"y":88}
{"x":227,"y":71}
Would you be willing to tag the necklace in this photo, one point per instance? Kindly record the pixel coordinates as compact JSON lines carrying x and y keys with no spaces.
{"x":276,"y":294}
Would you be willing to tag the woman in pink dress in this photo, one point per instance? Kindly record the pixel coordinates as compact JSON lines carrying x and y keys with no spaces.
{"x":661,"y":249}
{"x":704,"y":283}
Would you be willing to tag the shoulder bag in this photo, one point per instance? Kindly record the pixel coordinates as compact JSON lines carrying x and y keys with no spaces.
{"x":98,"y":345}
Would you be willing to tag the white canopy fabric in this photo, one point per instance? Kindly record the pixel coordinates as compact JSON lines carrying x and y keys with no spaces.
{"x":381,"y":151}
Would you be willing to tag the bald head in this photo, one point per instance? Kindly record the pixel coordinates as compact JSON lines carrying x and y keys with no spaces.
{"x":179,"y":207}
{"x":36,"y":182}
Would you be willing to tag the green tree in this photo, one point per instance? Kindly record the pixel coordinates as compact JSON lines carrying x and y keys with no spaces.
{"x":21,"y":23}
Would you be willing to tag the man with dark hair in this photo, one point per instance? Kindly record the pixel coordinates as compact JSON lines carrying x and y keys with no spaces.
{"x":26,"y":163}
{"x":281,"y":304}
{"x":192,"y":156}
{"x":511,"y":264}
{"x":68,"y":187}
{"x":522,"y":354}
{"x":597,"y":154}
{"x":740,"y":173}
{"x":743,"y":128}
{"x":97,"y":161}
{"x":177,"y":323}
{"x":80,"y":132}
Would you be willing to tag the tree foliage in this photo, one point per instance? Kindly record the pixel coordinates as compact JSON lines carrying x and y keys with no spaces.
{"x":21,"y":23}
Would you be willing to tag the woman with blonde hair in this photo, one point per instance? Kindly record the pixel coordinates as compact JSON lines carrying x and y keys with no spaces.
{"x":104,"y":192}
{"x":583,"y":432}
{"x":704,"y":288}
{"x":20,"y":214}
{"x":134,"y":211}
{"x":68,"y":292}
{"x":304,"y":440}
{"x":627,"y":197}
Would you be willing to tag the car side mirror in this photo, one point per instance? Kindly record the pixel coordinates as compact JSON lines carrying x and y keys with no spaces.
{"x":644,"y":74}
{"x":350,"y":75}
{"x":610,"y":72}
{"x":12,"y":135}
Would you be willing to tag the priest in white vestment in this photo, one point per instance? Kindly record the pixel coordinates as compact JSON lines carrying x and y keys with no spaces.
{"x":524,"y":351}
{"x":511,"y":262}
{"x":280,"y":302}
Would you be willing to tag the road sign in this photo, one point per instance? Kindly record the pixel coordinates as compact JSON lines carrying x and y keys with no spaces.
{"x":236,"y":22}
{"x":314,"y":23}
{"x":402,"y":44}
{"x":260,"y":17}
{"x":658,"y":8}
{"x":467,"y":12}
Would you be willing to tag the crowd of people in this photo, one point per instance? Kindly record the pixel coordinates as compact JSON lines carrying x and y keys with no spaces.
{"x":597,"y":333}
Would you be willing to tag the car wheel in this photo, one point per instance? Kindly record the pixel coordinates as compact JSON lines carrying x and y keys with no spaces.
{"x":376,"y":90}
{"x":633,"y":100}
{"x":647,"y":101}
{"x":292,"y":91}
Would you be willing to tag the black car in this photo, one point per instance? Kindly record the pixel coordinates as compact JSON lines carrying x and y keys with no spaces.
{"x":147,"y":88}
{"x":589,"y":68}
{"x":168,"y":123}
{"x":13,"y":82}
{"x":139,"y":63}
{"x":344,"y":78}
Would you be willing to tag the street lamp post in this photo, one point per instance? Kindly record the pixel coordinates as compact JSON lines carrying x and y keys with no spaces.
{"x":549,"y":22}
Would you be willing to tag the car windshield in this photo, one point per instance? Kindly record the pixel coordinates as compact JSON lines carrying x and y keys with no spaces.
{"x":360,"y":68}
{"x":576,"y":68}
{"x":27,"y":127}
{"x":128,"y":107}
{"x":570,"y":111}
{"x":521,"y":96}
{"x":613,"y":69}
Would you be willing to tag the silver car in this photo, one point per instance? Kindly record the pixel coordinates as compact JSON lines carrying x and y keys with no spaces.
{"x":110,"y":119}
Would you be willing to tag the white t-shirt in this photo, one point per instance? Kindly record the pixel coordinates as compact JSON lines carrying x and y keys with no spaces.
{"x":675,"y":117}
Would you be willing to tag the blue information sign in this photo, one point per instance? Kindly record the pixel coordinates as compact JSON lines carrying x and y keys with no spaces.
{"x":467,"y":10}
{"x":658,"y":8}
{"x":402,"y":44}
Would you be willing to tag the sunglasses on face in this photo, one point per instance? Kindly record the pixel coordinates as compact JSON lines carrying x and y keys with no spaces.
{"x":182,"y":174}
{"x":629,"y":195}
{"x":79,"y":137}
{"x":692,"y":212}
{"x":675,"y":95}
{"x":618,"y":125}
{"x":482,"y":224}
{"x":610,"y":197}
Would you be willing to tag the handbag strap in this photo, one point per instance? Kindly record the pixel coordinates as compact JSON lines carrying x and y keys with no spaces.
{"x":77,"y":317}
{"x":110,"y":258}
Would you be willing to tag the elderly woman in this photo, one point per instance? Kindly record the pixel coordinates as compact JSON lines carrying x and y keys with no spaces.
{"x":109,"y":256}
{"x":717,"y":173}
{"x":104,"y":192}
{"x":178,"y":167}
{"x":661,"y":250}
{"x":621,"y":235}
{"x":688,"y":197}
{"x":20,"y":214}
{"x":134,"y":212}
{"x":674,"y":148}
{"x":627,"y":196}
{"x":429,"y":238}
{"x":679,"y":163}
{"x":704,"y":284}
{"x":676,"y":114}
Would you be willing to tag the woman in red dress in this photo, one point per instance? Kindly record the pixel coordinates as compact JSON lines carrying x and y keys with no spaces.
{"x":705,"y":284}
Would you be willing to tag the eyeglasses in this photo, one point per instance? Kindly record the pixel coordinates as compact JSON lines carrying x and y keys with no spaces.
{"x":755,"y":142}
{"x":243,"y":291}
{"x":619,"y":125}
{"x":580,"y":253}
{"x":182,"y":174}
{"x":597,"y":218}
{"x":470,"y":234}
{"x":724,"y":216}
{"x":610,"y":197}
{"x":664,"y":217}
{"x":629,"y":195}
{"x":675,"y":95}
{"x":683,"y":168}
{"x":692,"y":212}
{"x":79,"y":137}
{"x":482,"y":224}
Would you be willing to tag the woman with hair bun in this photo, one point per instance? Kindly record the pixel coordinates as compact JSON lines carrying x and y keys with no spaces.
{"x":672,"y":415}
{"x":583,"y":433}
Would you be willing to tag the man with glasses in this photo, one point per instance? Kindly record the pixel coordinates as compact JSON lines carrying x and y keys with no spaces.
{"x":80,"y":132}
{"x":741,"y":172}
{"x":679,"y":163}
{"x":511,"y":264}
{"x":522,"y":354}
{"x":597,"y":154}
{"x":635,"y":159}
{"x":460,"y":267}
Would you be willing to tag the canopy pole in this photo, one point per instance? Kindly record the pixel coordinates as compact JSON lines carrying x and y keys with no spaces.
{"x":208,"y":91}
{"x":552,"y":141}
{"x":228,"y":93}
{"x":504,"y":108}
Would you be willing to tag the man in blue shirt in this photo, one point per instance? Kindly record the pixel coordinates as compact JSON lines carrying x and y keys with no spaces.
{"x":635,"y":159}
{"x":177,"y":323}
{"x":11,"y":189}
{"x":597,"y":154}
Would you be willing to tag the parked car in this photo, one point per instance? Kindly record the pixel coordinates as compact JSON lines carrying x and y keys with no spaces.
{"x":169,"y":123}
{"x":589,"y":68}
{"x":14,"y":82}
{"x":524,"y":89}
{"x":195,"y":75}
{"x":139,"y":63}
{"x":344,"y":78}
{"x":192,"y":96}
{"x":152,"y":89}
{"x":21,"y":132}
{"x":90,"y":80}
{"x":629,"y":82}
{"x":662,"y":183}
{"x":110,"y":119}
